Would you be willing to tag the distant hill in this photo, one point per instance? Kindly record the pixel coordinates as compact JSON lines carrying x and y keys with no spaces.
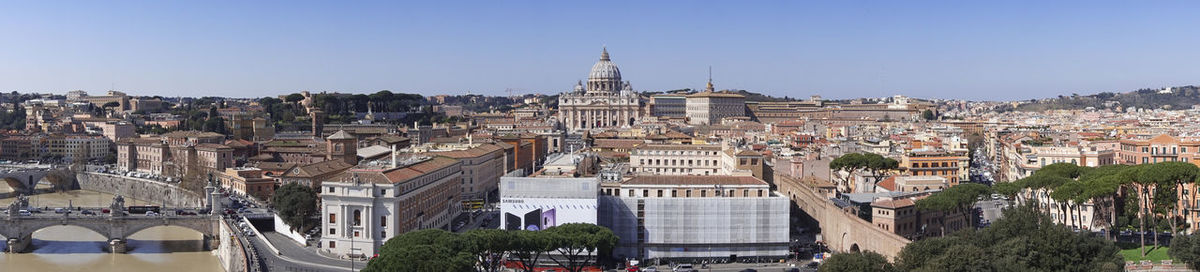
{"x":1172,"y":98}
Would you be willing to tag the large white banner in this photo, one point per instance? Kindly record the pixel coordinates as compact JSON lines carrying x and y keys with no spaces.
{"x":543,"y":213}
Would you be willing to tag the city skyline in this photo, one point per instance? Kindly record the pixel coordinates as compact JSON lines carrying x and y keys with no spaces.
{"x":994,"y":51}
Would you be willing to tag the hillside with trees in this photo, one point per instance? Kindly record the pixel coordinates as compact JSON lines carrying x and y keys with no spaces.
{"x":1173,"y":98}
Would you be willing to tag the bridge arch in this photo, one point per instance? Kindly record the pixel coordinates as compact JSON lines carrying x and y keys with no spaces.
{"x":203,"y":227}
{"x":31,"y":228}
{"x":14,"y":184}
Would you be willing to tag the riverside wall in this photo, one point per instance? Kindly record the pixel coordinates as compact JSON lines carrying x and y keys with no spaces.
{"x":144,"y":189}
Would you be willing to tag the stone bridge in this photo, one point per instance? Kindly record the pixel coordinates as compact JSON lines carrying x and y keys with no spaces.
{"x":842,"y":231}
{"x":18,"y":230}
{"x":24,"y":178}
{"x":17,"y":225}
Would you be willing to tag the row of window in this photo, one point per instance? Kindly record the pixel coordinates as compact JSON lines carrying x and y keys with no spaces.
{"x":686,"y":192}
{"x":676,"y":152}
{"x":934,"y":164}
{"x":674,"y":162}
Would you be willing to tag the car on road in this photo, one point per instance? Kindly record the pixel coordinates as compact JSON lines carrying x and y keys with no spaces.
{"x":151,"y":213}
{"x":24,"y":213}
{"x":650,"y":269}
{"x":88,"y":212}
{"x":683,"y":268}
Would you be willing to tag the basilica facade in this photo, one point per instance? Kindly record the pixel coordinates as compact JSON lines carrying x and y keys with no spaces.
{"x":605,"y":102}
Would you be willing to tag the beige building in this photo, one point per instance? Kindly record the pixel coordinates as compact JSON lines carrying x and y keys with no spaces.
{"x":710,"y":107}
{"x":677,"y":159}
{"x":371,"y":203}
{"x":246,"y":181}
{"x":605,"y":102}
{"x":697,"y":160}
{"x":482,"y":167}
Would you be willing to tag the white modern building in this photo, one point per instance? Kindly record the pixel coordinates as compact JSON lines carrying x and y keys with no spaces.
{"x":695,"y":218}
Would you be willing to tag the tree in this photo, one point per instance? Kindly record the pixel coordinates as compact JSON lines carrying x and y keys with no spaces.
{"x":857,"y":262}
{"x":876,"y":164}
{"x":293,"y":98}
{"x":295,"y":203}
{"x":489,"y":246}
{"x":579,"y":244}
{"x":1172,"y":175}
{"x":423,"y":250}
{"x":1186,"y":248}
{"x":1022,"y":240}
{"x":111,"y":104}
{"x":528,"y":247}
{"x":958,"y":199}
{"x":928,"y":115}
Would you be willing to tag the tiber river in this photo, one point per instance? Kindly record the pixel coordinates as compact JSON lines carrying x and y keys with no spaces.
{"x":70,"y":248}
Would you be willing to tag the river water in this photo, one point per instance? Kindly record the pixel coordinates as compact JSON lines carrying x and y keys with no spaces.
{"x":70,"y":248}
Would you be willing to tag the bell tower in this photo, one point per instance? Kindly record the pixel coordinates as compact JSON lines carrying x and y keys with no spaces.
{"x":342,"y":146}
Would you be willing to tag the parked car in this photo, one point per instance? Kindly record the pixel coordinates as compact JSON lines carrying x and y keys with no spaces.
{"x":151,"y":213}
{"x":683,"y":268}
{"x":24,"y":213}
{"x":88,"y":212}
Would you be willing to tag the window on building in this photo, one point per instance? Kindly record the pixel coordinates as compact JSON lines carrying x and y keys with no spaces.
{"x":688,"y":193}
{"x":357,"y":218}
{"x":660,"y":193}
{"x":356,"y":233}
{"x":674,"y":193}
{"x":332,"y":244}
{"x":383,"y":221}
{"x":703,"y":193}
{"x":331,"y":189}
{"x":631,"y":192}
{"x":332,"y":218}
{"x":332,"y":231}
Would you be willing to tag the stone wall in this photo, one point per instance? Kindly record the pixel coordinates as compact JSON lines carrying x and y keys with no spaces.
{"x":144,"y":189}
{"x":841,"y":230}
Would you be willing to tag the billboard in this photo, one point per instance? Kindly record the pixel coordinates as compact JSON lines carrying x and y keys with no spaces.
{"x":543,"y":213}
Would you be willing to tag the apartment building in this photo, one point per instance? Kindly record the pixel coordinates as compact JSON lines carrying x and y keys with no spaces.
{"x":1161,"y":148}
{"x":365,"y":206}
{"x":695,"y":160}
{"x":950,"y":165}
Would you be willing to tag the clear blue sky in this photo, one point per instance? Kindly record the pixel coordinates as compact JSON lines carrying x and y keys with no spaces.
{"x":838,"y":49}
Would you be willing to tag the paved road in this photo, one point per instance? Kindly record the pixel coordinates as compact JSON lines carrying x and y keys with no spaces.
{"x":294,"y":257}
{"x":992,"y":209}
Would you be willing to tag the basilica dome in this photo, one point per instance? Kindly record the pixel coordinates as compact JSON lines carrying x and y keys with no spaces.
{"x":605,"y":68}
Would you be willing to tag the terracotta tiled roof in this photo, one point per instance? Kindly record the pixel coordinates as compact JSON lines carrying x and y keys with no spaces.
{"x":477,"y":151}
{"x":319,"y":169}
{"x":893,"y":204}
{"x":889,"y":183}
{"x":341,"y":135}
{"x":404,"y":174}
